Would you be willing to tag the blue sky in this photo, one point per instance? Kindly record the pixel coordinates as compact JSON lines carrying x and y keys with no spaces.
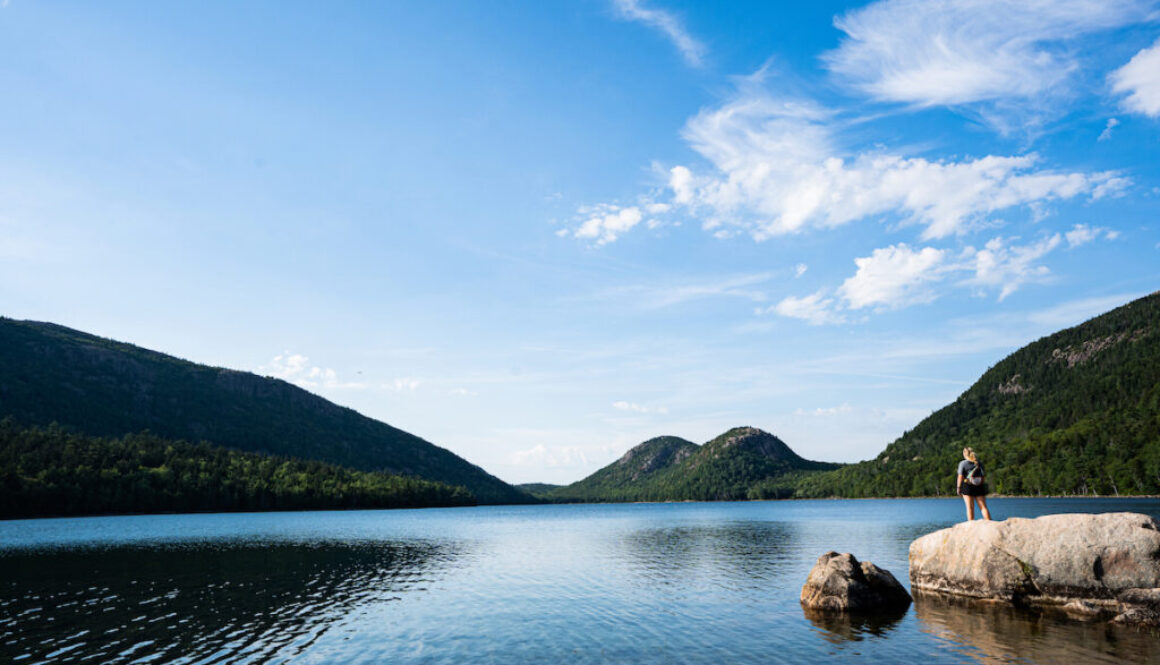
{"x":539,"y":233}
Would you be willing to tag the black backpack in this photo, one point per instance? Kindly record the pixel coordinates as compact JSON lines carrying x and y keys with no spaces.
{"x":975,"y":475}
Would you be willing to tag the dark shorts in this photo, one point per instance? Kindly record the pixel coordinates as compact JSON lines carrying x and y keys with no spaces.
{"x":967,"y":489}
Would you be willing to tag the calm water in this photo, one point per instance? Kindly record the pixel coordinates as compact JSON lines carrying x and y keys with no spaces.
{"x":651,"y":583}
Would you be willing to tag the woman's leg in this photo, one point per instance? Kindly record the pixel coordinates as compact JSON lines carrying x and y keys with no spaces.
{"x":970,"y":507}
{"x":983,"y":505}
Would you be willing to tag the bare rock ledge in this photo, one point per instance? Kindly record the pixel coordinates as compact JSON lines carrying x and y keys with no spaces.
{"x":1093,"y":565}
{"x":840,"y":582}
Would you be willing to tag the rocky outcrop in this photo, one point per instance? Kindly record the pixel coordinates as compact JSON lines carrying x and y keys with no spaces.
{"x":840,"y":582}
{"x":1085,"y":564}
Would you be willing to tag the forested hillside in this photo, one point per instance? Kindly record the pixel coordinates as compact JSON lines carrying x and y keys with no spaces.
{"x":730,"y":467}
{"x":52,"y":374}
{"x":1077,"y":412}
{"x":47,"y":472}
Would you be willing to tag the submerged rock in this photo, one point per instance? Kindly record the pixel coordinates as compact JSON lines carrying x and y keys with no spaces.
{"x":1086,"y":564}
{"x":840,"y":582}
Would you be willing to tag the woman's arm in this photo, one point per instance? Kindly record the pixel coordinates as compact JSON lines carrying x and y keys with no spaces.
{"x":959,"y":483}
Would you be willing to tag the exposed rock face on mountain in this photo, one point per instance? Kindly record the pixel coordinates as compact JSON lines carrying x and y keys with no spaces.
{"x":1089,"y":563}
{"x":839,"y":582}
{"x":654,"y":455}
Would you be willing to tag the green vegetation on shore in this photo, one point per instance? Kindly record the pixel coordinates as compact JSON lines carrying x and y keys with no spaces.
{"x":51,"y":472}
{"x":103,"y":388}
{"x":1074,"y":413}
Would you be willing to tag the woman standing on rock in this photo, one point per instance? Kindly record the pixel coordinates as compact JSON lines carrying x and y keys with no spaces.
{"x":971,"y":484}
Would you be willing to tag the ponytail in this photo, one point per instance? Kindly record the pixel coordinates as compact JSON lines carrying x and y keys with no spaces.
{"x":969,"y":453}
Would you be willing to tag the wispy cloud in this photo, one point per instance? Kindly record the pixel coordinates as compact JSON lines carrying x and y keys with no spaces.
{"x":296,"y":368}
{"x":604,"y":223}
{"x":691,"y":50}
{"x":674,"y":292}
{"x":1007,"y":267}
{"x":776,"y":167}
{"x":1004,"y":56}
{"x":815,"y":309}
{"x":1140,"y":81}
{"x":638,"y":408}
{"x":541,"y":456}
{"x":899,"y":276}
{"x":1107,"y":133}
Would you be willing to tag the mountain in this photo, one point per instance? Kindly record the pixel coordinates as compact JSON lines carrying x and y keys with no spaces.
{"x":669,"y":468}
{"x":537,"y":490}
{"x":1076,"y":412}
{"x":51,"y":472}
{"x":52,"y":374}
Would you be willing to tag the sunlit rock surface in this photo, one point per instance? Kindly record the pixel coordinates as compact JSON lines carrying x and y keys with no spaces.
{"x":840,"y":582}
{"x":1093,"y":564}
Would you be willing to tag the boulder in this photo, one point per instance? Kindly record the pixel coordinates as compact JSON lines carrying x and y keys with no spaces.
{"x":840,"y":582}
{"x":1052,"y":560}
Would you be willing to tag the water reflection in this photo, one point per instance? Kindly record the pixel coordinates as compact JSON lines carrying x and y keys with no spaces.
{"x":744,"y":554}
{"x":254,"y":602}
{"x":998,"y":633}
{"x":841,"y":627}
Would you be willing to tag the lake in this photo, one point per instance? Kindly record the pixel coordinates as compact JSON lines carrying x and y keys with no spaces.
{"x":625,"y":583}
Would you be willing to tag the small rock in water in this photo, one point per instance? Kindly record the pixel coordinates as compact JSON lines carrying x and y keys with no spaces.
{"x":840,"y":582}
{"x":1139,"y":607}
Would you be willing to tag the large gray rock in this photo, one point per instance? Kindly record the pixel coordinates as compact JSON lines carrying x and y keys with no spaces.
{"x":840,"y":582}
{"x":1050,"y":560}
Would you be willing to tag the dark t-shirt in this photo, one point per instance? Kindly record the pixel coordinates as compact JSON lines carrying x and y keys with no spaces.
{"x":965,"y":467}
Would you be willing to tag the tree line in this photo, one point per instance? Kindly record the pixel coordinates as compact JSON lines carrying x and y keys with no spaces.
{"x":54,"y":472}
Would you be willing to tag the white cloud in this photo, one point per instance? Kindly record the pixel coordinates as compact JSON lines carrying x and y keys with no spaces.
{"x":841,"y":410}
{"x":1140,"y":81}
{"x":296,"y":368}
{"x":893,"y":277}
{"x":542,"y":456}
{"x":777,"y":169}
{"x":638,"y":408}
{"x":1107,"y":133}
{"x":1082,"y":234}
{"x":1007,"y":267}
{"x":464,"y":392}
{"x":898,"y":276}
{"x":779,"y":166}
{"x":692,"y":50}
{"x":954,"y":52}
{"x":605,"y":222}
{"x":669,"y":293}
{"x":406,"y":384}
{"x":815,"y":309}
{"x":800,"y":269}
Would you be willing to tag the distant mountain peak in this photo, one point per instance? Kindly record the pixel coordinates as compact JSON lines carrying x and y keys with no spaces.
{"x":755,"y":440}
{"x":655,"y":454}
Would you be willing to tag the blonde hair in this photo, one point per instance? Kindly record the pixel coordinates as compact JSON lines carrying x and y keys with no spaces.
{"x":969,"y":453}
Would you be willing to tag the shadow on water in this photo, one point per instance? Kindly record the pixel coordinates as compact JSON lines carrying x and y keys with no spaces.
{"x":999,"y":633}
{"x":840,"y":627}
{"x":253,"y":602}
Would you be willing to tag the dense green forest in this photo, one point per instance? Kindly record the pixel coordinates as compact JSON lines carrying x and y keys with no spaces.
{"x":1074,"y":413}
{"x":52,"y":374}
{"x":49,"y":471}
{"x":668,"y":468}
